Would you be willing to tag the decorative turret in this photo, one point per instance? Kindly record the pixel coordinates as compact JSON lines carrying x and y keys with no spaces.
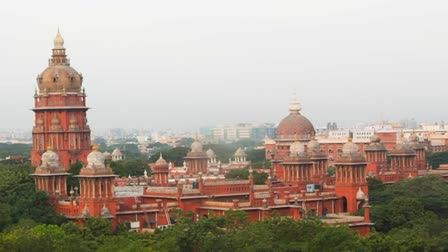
{"x":50,"y":175}
{"x":376,"y":155}
{"x":319,"y":158}
{"x":419,"y":149}
{"x":350,"y":177}
{"x":196,"y":160}
{"x":403,"y":159}
{"x":296,"y":169}
{"x":96,"y":180}
{"x":161,"y":172}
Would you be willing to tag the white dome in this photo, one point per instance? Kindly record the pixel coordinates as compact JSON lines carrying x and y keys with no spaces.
{"x":360,"y":195}
{"x":210,"y":153}
{"x":95,"y":159}
{"x":313,"y":145}
{"x":296,"y":148}
{"x":50,"y":159}
{"x":350,"y":148}
{"x":196,"y":146}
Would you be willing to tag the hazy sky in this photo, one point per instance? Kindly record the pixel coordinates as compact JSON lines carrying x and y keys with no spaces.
{"x":184,"y":64}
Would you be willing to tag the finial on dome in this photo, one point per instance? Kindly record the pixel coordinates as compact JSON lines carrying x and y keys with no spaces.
{"x":294,"y":105}
{"x":350,"y":139}
{"x":58,"y":41}
{"x":95,"y":147}
{"x":49,"y":148}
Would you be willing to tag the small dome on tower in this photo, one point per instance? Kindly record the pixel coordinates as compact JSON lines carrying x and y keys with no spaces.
{"x":414,"y":138}
{"x":350,"y":148}
{"x":161,"y":162}
{"x":296,"y":148}
{"x":95,"y":158}
{"x":240,"y":153}
{"x":50,"y":159}
{"x":210,"y":153}
{"x":360,"y":195}
{"x":196,"y":146}
{"x":402,"y":146}
{"x":313,"y":145}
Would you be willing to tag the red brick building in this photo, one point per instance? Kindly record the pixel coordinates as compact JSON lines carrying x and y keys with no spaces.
{"x":60,"y":111}
{"x":298,"y":183}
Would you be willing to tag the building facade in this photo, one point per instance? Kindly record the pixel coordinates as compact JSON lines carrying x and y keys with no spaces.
{"x":60,"y":119}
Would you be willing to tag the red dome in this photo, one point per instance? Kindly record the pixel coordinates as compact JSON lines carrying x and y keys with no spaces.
{"x":295,"y":126}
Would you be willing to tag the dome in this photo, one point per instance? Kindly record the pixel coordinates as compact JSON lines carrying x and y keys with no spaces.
{"x":295,"y":124}
{"x":211,"y":153}
{"x":95,"y":158}
{"x":403,"y":146}
{"x":50,"y":159}
{"x":59,"y":76}
{"x":413,"y":138}
{"x":296,"y":148}
{"x":350,"y":153}
{"x":240,"y":153}
{"x":196,"y":146}
{"x":117,"y":152}
{"x":313,"y":146}
{"x":350,"y":148}
{"x":161,"y":162}
{"x":375,"y":138}
{"x":360,"y":195}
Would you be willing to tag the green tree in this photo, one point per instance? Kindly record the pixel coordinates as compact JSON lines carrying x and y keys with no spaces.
{"x":130,"y":166}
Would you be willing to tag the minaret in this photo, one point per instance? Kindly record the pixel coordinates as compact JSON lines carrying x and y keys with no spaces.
{"x":351,"y":184}
{"x":60,"y":111}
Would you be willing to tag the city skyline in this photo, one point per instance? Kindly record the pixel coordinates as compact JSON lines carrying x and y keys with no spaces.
{"x":161,"y":67}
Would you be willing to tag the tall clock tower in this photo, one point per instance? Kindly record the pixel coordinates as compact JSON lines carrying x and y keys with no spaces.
{"x":60,"y":109}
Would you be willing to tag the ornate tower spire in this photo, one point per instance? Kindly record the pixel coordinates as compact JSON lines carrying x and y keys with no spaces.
{"x":294,"y":105}
{"x":59,"y":57}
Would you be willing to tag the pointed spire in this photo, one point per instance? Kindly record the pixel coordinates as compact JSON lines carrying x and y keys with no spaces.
{"x":58,"y":41}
